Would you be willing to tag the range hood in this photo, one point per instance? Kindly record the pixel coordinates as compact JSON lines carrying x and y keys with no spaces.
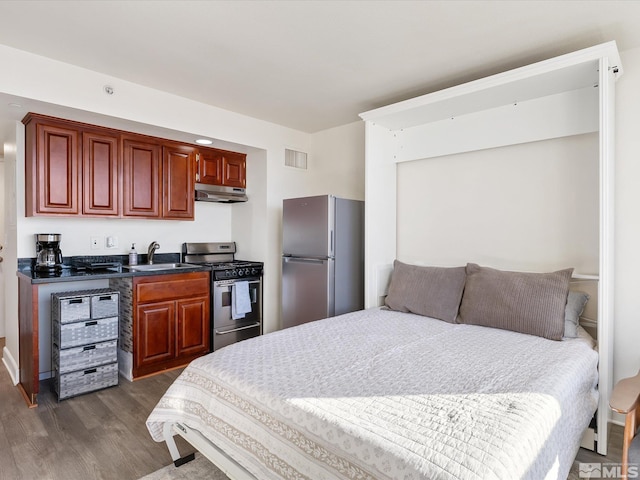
{"x":220,"y":194}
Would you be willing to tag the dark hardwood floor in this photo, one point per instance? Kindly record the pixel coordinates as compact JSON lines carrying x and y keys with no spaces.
{"x":102,"y":435}
{"x":614,"y":453}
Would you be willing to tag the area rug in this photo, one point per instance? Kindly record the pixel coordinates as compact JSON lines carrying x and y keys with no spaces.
{"x":198,"y":469}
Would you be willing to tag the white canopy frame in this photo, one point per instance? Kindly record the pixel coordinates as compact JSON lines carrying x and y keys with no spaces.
{"x":568,"y":95}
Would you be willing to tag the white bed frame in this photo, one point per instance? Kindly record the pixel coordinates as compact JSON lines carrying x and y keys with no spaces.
{"x":472,"y":117}
{"x":550,"y":99}
{"x":589,"y":321}
{"x":220,"y":459}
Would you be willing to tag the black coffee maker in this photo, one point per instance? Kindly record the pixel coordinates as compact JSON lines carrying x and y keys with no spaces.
{"x":48,"y":253}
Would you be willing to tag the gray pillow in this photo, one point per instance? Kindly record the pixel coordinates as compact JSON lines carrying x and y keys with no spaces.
{"x":532,"y":303}
{"x":429,"y":291}
{"x":575,"y":305}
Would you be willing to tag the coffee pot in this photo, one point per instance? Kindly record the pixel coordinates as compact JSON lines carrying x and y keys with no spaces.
{"x":48,"y":253}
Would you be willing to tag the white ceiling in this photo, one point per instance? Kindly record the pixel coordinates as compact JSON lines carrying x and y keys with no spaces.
{"x":309,"y":65}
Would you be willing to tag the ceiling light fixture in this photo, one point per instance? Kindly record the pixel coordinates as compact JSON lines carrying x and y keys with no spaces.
{"x":204,"y":141}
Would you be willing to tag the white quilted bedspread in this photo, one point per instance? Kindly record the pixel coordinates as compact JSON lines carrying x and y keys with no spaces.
{"x":381,"y":394}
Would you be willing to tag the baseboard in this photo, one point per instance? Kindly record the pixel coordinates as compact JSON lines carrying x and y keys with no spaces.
{"x":11,"y":365}
{"x":125,"y":364}
{"x":616,"y":421}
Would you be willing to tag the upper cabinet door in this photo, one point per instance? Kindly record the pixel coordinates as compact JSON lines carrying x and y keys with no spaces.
{"x":220,"y":167}
{"x":178,"y":173}
{"x":210,"y":167}
{"x":141,"y":178}
{"x":234,"y":170}
{"x":100,"y":174}
{"x":52,"y":169}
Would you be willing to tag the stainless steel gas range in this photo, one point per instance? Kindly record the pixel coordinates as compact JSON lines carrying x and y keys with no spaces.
{"x":236,"y":291}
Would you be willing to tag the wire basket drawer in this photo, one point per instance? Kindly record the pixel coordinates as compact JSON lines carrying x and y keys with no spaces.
{"x":105,"y":305}
{"x":83,"y":381}
{"x":86,"y":332}
{"x":72,"y":309}
{"x":83,"y":357}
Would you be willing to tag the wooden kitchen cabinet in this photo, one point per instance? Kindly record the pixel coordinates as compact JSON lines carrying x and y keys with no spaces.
{"x":79,"y":169}
{"x":171,"y":322}
{"x":209,"y":167}
{"x":155,"y":341}
{"x":221,"y":167}
{"x":141,"y":177}
{"x":71,"y":169}
{"x":52,"y":167}
{"x":178,"y":186}
{"x":100,"y":173}
{"x":158,"y":179}
{"x":29,"y":352}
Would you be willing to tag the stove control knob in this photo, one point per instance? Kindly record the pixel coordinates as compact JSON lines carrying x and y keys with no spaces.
{"x":234,"y":273}
{"x":254,"y":271}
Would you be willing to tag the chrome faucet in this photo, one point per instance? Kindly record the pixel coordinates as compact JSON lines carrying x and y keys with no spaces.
{"x":152,"y":249}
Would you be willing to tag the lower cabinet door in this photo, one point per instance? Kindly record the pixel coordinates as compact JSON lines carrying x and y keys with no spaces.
{"x":155,"y":336}
{"x":193,"y":326}
{"x":171,"y":325}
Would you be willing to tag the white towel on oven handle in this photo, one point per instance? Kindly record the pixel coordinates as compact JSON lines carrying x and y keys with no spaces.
{"x":241,"y":302}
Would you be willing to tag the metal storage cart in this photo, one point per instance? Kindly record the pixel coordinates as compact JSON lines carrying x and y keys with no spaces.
{"x":84,"y":341}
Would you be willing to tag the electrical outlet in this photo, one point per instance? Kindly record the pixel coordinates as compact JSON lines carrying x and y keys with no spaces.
{"x":111,"y":242}
{"x":95,"y":242}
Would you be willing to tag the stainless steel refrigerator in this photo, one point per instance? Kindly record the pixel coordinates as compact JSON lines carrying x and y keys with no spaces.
{"x":322,"y":258}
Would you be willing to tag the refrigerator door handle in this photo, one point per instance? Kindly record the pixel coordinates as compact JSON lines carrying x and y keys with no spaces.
{"x":331,"y":244}
{"x":318,"y":261}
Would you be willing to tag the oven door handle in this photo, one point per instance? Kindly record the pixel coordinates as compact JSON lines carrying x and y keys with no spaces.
{"x":218,"y":332}
{"x":228,"y":283}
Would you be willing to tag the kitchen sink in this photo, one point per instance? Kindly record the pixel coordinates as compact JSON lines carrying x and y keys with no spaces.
{"x":158,"y":266}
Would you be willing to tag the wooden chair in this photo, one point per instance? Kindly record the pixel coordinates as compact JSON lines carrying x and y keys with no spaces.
{"x":625,"y":399}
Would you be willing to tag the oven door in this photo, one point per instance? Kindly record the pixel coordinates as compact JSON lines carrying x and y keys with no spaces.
{"x":227,"y":330}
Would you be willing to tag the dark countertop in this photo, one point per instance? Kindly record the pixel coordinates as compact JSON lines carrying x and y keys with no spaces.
{"x":71,"y":274}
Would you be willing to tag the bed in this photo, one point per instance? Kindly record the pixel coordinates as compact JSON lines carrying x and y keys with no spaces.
{"x":391,"y":394}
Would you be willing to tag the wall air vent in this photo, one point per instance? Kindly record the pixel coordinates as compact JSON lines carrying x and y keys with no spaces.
{"x":295,"y":159}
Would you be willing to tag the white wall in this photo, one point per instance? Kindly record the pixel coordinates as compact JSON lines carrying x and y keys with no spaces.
{"x":335,"y":166}
{"x":10,"y":354}
{"x":212,"y":223}
{"x":338,"y":161}
{"x":2,"y":242}
{"x":528,"y":207}
{"x":626,"y":361}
